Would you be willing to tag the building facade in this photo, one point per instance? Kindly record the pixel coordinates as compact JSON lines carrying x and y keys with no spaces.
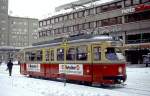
{"x":22,"y":31}
{"x":15,"y":32}
{"x":128,"y":20}
{"x":3,"y":22}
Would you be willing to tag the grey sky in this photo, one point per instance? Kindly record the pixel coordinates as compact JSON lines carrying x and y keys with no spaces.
{"x":35,"y":8}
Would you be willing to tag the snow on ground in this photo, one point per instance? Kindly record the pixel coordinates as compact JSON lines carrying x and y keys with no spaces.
{"x":19,"y":85}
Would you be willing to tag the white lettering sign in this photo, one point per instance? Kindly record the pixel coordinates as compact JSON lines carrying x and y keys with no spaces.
{"x":128,"y":10}
{"x":71,"y":69}
{"x":33,"y":67}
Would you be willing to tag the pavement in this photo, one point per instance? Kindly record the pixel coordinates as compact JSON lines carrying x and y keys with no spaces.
{"x":137,"y":65}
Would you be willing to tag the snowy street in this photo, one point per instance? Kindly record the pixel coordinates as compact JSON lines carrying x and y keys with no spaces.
{"x":138,"y":84}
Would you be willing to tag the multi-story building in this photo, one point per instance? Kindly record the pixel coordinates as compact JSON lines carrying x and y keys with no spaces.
{"x":128,"y":20}
{"x":3,"y":22}
{"x":22,"y":31}
{"x":15,"y":32}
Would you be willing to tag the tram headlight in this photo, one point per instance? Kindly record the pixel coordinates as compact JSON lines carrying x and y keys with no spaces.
{"x":120,"y":70}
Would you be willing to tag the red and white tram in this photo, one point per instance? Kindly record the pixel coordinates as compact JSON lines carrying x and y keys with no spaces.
{"x":92,"y":59}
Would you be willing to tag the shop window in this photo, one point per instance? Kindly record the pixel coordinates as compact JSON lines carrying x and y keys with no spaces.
{"x":71,"y":53}
{"x":82,"y":53}
{"x":96,"y":53}
{"x":60,"y":54}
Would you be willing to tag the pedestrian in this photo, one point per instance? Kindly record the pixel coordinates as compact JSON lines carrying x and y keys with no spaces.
{"x":9,"y":66}
{"x":146,"y":60}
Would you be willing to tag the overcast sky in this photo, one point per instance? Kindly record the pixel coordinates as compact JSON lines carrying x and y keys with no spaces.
{"x":35,"y":8}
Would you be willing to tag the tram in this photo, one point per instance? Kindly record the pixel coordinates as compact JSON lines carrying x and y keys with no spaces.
{"x":89,"y":59}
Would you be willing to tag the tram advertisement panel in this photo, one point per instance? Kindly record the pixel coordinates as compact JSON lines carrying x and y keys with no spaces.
{"x":76,"y":69}
{"x":33,"y":67}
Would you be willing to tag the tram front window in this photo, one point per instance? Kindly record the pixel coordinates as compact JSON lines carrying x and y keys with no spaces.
{"x":114,"y":54}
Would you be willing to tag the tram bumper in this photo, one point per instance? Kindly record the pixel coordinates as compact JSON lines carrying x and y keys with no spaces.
{"x":116,"y":79}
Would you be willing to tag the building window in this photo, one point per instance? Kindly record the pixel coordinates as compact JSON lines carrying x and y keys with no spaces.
{"x":105,"y":8}
{"x":80,"y":26}
{"x":145,"y":1}
{"x":61,"y":18}
{"x":90,"y":11}
{"x":44,"y":23}
{"x":98,"y":9}
{"x":75,"y":15}
{"x":98,"y":23}
{"x":119,"y":5}
{"x":112,"y":21}
{"x":127,"y":3}
{"x":135,"y":2}
{"x":66,"y":17}
{"x":105,"y":22}
{"x":92,"y":24}
{"x":48,"y":22}
{"x":56,"y":20}
{"x":81,"y":14}
{"x":86,"y":25}
{"x":52,"y":20}
{"x":76,"y":27}
{"x":70,"y":16}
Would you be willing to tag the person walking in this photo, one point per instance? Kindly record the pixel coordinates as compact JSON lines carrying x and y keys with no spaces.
{"x":9,"y":66}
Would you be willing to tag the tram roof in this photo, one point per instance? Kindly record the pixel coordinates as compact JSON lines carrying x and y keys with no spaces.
{"x":76,"y":38}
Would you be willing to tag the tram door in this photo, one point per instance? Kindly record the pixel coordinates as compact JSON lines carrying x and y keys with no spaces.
{"x":96,"y":59}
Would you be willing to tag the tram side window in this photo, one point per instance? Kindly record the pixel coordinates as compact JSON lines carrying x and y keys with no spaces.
{"x":39,"y":55}
{"x":82,"y":53}
{"x":47,"y":54}
{"x":111,"y":54}
{"x":71,"y":53}
{"x":96,"y":53}
{"x":52,"y":55}
{"x":27,"y":56}
{"x":60,"y":54}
